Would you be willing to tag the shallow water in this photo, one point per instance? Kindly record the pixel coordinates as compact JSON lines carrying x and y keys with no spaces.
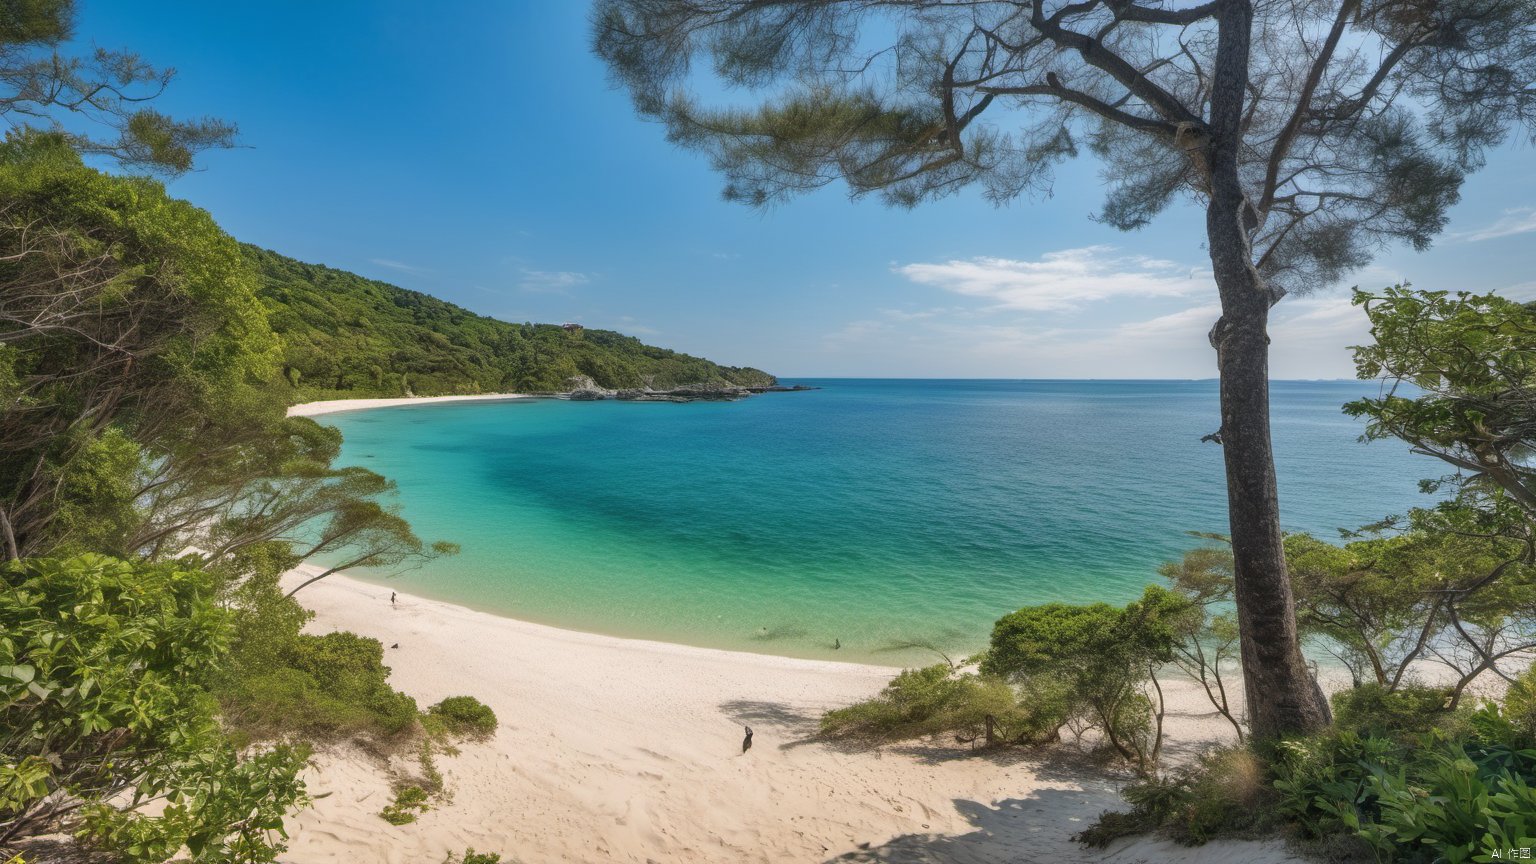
{"x":874,"y":513}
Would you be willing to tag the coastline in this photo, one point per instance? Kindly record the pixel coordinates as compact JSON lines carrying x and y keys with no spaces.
{"x":615,"y":749}
{"x":334,"y":406}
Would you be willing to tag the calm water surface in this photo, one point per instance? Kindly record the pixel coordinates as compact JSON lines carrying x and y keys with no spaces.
{"x":876,"y":512}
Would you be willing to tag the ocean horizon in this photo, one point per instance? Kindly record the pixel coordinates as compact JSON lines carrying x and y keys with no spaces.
{"x":872,"y":520}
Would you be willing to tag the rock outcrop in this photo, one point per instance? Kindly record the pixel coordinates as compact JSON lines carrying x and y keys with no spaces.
{"x":584,"y":389}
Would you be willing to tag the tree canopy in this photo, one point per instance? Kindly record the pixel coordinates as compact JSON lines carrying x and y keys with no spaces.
{"x":1357,"y":119}
{"x":1462,"y":375}
{"x":126,"y":316}
{"x":42,"y":87}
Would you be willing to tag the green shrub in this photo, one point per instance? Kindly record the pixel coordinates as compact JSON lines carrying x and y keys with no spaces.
{"x":1314,"y":773}
{"x":1435,"y":796}
{"x":100,"y":656}
{"x":410,"y":802}
{"x":1104,"y":658}
{"x":279,"y":681}
{"x":1046,"y":666}
{"x":1371,"y":709}
{"x":934,"y":700}
{"x":1520,"y":704}
{"x":351,"y":668}
{"x":330,"y":686}
{"x":1034,"y":639}
{"x":1444,"y":807}
{"x":1228,"y":793}
{"x":1445,"y":797}
{"x":463,"y":717}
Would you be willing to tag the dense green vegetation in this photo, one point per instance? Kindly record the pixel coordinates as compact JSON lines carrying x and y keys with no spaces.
{"x":106,"y":669}
{"x":129,"y":324}
{"x":162,"y":698}
{"x":342,"y":333}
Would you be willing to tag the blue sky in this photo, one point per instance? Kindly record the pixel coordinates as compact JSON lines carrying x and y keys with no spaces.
{"x":475,"y":151}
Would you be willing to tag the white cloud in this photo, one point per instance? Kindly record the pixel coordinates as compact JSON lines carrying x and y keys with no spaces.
{"x":915,"y":315}
{"x":397,"y":265}
{"x":1060,"y":281}
{"x":1151,"y":320}
{"x":1523,"y":292}
{"x":1311,"y":337}
{"x":1518,"y":220}
{"x":552,"y":281}
{"x":1194,"y":321}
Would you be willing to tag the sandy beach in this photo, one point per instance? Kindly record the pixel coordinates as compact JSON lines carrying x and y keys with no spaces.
{"x":628,"y":750}
{"x":625,"y":750}
{"x":333,"y":406}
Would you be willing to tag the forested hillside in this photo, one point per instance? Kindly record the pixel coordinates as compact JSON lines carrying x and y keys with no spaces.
{"x":343,"y":332}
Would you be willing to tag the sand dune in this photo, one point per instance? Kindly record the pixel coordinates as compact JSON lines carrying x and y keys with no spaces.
{"x":624,"y":750}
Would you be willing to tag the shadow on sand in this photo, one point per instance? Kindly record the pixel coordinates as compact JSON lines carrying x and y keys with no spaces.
{"x":1016,"y":830}
{"x":1036,"y":829}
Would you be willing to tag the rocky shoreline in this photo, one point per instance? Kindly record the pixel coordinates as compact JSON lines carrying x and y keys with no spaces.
{"x":584,"y":389}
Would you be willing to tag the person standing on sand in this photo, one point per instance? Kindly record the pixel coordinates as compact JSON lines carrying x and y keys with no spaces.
{"x":391,"y":598}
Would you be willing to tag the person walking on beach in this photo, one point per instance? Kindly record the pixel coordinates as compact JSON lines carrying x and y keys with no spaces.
{"x":391,"y":598}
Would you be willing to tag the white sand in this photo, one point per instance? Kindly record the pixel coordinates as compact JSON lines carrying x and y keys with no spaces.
{"x":624,"y":750}
{"x":332,"y":406}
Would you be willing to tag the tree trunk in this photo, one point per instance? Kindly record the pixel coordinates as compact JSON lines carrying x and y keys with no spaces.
{"x":1282,"y":695}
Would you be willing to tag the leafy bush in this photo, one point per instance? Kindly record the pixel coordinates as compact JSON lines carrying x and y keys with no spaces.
{"x":320,"y":687}
{"x":1401,"y":778}
{"x":103,"y":706}
{"x":279,"y":681}
{"x":935,"y":699}
{"x":1445,"y":807}
{"x":1372,"y":709}
{"x":1336,"y":768}
{"x":1447,"y":797}
{"x":463,"y":717}
{"x":1104,"y":657}
{"x":1047,"y":666}
{"x":410,"y":802}
{"x":1520,"y":704}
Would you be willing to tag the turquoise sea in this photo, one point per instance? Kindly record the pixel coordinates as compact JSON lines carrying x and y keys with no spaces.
{"x":874,"y":513}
